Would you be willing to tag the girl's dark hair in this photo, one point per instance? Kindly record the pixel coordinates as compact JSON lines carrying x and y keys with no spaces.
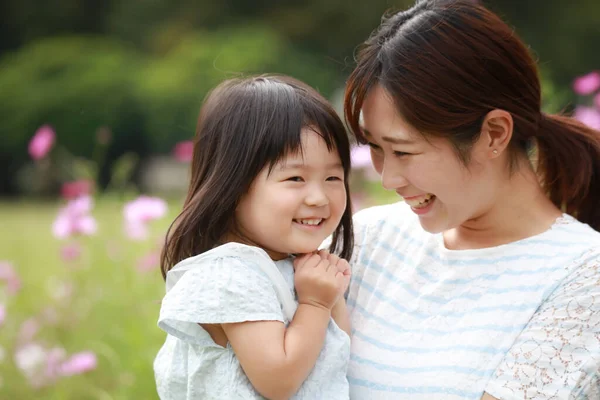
{"x":244,"y":126}
{"x":447,"y":64}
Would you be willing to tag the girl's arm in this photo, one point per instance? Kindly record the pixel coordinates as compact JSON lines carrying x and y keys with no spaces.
{"x":340,"y":315}
{"x":277,"y":359}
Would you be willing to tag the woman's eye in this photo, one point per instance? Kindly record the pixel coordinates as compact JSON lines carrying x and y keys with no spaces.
{"x":295,"y":179}
{"x":401,"y":154}
{"x":373,"y":146}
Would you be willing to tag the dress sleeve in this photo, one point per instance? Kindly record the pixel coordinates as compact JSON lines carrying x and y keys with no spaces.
{"x":217,"y":291}
{"x":557,"y":356}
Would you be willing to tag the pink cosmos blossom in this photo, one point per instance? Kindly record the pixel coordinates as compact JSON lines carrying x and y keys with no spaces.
{"x":589,"y":116}
{"x":75,"y":189}
{"x":42,"y":142}
{"x":70,"y":252}
{"x":53,"y":363}
{"x":74,"y":219}
{"x":42,"y":366}
{"x":10,"y":277}
{"x":361,"y":157}
{"x":149,"y":262}
{"x":31,"y":360}
{"x":139,"y":212}
{"x":183,"y":151}
{"x":597,"y":101}
{"x":587,"y":84}
{"x":136,"y":230}
{"x":28,"y":330}
{"x":79,"y":363}
{"x":2,"y":314}
{"x":361,"y":160}
{"x":145,"y":208}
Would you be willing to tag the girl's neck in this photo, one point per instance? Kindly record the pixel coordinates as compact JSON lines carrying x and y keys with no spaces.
{"x":521,"y":210}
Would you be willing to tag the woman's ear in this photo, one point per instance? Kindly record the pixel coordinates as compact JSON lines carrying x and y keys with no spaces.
{"x":496,"y":133}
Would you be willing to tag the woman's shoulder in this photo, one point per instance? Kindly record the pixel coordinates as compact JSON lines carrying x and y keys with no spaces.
{"x":390,"y":214}
{"x":569,"y":230}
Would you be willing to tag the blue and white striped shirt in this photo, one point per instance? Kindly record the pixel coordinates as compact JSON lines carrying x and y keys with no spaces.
{"x":518,"y":321}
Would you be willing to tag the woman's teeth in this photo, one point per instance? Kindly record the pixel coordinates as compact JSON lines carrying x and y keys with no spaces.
{"x":309,"y":221}
{"x":421,"y":201}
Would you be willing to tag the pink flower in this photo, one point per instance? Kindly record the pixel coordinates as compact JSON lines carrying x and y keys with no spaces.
{"x":597,"y":101}
{"x":361,"y":157}
{"x":42,"y":142}
{"x":28,"y":330}
{"x":79,"y":363}
{"x":70,"y":252}
{"x":54,"y":358}
{"x":10,"y":277}
{"x":587,"y":84}
{"x":74,"y":189}
{"x":136,"y":230}
{"x":2,"y":314}
{"x":183,"y":151}
{"x":139,"y":212}
{"x":589,"y":116}
{"x":74,"y":219}
{"x":31,"y":360}
{"x":149,"y":262}
{"x":42,"y":366}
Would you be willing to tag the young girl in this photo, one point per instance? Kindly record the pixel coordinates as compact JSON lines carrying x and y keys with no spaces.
{"x":269,"y":180}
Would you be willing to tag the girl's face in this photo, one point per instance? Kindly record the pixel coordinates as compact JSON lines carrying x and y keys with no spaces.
{"x":295,"y":206}
{"x":427,"y":173}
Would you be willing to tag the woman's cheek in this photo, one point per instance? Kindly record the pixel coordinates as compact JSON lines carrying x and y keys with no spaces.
{"x":377,"y":160}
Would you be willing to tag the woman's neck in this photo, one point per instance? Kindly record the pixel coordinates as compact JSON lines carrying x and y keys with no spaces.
{"x":521,"y":210}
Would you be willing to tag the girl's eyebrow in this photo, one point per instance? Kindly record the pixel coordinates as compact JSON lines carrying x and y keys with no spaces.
{"x":300,"y":165}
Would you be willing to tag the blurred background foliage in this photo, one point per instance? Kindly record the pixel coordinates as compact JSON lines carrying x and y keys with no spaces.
{"x":142,"y":68}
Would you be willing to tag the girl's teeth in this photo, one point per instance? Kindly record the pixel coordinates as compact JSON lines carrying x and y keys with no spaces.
{"x":310,"y":221}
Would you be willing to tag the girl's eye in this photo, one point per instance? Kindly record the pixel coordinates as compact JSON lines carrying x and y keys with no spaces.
{"x":295,"y":179}
{"x":401,"y":154}
{"x":334,"y":178}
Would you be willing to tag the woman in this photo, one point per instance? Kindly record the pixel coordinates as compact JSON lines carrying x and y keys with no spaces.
{"x":485,"y":281}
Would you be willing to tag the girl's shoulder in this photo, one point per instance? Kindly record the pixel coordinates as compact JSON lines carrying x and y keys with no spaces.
{"x":227,"y":250}
{"x":237,"y":255}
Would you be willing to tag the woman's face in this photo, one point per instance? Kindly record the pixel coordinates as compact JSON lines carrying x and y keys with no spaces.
{"x":427,"y":173}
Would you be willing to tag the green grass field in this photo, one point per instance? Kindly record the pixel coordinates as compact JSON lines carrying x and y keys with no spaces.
{"x":111,"y":311}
